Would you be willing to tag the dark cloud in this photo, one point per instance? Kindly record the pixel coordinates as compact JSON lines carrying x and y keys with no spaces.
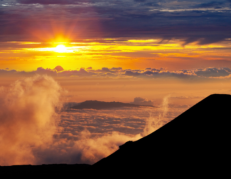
{"x":213,"y":72}
{"x":81,"y":72}
{"x":212,"y":4}
{"x":119,"y":72}
{"x":47,"y":1}
{"x":7,"y":72}
{"x":152,"y":4}
{"x":148,"y":2}
{"x":140,"y":0}
{"x":116,"y":68}
{"x":116,"y":19}
{"x":204,"y":27}
{"x":59,"y":68}
{"x":130,"y":73}
{"x":104,"y":69}
{"x":47,"y":71}
{"x":156,"y":74}
{"x":142,"y":101}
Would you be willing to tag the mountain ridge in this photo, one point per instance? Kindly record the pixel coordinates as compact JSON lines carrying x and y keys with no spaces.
{"x":94,"y":104}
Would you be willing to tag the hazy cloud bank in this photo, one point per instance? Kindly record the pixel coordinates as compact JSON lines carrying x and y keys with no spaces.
{"x":58,"y":71}
{"x":30,"y":122}
{"x":27,"y":118}
{"x":89,"y":148}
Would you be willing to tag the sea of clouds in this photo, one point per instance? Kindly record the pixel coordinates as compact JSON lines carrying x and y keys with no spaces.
{"x":34,"y":128}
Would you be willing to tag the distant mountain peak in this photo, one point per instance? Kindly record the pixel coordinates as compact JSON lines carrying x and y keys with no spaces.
{"x":94,"y":104}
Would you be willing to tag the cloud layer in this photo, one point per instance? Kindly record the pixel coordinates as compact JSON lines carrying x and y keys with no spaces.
{"x":32,"y":132}
{"x":206,"y":73}
{"x":47,"y":1}
{"x":27,"y":118}
{"x":90,"y":148}
{"x":142,"y":101}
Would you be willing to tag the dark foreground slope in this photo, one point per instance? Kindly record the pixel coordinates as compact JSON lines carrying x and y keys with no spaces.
{"x":43,"y":171}
{"x":196,"y":143}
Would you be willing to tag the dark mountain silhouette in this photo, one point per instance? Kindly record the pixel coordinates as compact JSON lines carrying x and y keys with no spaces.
{"x":194,"y":144}
{"x":43,"y":171}
{"x":104,"y":105}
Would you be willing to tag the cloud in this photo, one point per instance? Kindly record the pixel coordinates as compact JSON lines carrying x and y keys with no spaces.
{"x":116,"y":69}
{"x":47,"y":1}
{"x":89,"y":148}
{"x":153,"y":123}
{"x":185,"y":97}
{"x":212,"y":4}
{"x":28,"y":118}
{"x":59,"y":68}
{"x":139,"y":0}
{"x":179,"y":106}
{"x":213,"y":72}
{"x":124,"y":19}
{"x":104,"y":69}
{"x":149,"y":73}
{"x":28,"y":122}
{"x":142,"y":101}
{"x":41,"y":70}
{"x":182,"y":74}
{"x":7,"y":72}
{"x":30,"y":126}
{"x":160,"y":74}
{"x":130,"y":73}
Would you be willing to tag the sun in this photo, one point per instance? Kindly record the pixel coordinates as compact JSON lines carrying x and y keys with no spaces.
{"x":60,"y":48}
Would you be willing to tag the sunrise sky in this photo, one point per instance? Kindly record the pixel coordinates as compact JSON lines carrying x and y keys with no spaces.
{"x":132,"y":34}
{"x":163,"y":52}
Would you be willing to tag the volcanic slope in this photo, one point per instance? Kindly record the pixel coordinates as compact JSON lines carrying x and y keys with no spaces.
{"x":195,"y":144}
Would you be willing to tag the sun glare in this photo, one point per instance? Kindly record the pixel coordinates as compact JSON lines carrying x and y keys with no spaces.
{"x":60,"y":49}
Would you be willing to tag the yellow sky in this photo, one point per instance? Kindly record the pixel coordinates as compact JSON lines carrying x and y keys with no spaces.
{"x":129,"y":54}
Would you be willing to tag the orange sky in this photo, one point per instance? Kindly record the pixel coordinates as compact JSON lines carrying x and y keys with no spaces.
{"x":140,"y":56}
{"x":128,"y":54}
